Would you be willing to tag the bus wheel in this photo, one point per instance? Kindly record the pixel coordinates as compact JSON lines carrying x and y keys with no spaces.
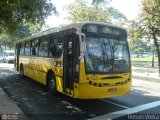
{"x":21,"y":71}
{"x":52,"y":84}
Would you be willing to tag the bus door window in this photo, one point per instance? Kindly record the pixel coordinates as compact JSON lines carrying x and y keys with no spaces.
{"x":71,"y":61}
{"x":70,"y":50}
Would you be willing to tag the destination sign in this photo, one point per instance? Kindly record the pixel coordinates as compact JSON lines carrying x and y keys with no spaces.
{"x":111,"y":31}
{"x":103,"y":29}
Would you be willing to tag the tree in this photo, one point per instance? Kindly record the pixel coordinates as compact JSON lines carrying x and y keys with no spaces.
{"x":114,"y":13}
{"x":97,"y":2}
{"x":140,"y":48}
{"x":15,"y":13}
{"x":98,"y":11}
{"x":139,"y":51}
{"x":150,"y":22}
{"x":8,"y":39}
{"x":85,"y":13}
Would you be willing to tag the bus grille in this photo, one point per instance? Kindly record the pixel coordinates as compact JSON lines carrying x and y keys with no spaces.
{"x":107,"y":84}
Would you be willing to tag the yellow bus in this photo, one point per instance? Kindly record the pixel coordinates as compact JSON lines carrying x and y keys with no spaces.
{"x":83,"y":60}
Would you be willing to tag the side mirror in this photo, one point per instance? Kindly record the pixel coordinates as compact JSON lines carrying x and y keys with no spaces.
{"x":60,"y":47}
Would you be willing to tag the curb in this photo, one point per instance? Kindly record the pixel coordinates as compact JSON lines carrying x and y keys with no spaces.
{"x":146,"y":78}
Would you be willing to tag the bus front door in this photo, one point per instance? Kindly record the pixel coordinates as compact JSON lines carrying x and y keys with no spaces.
{"x":70,"y":62}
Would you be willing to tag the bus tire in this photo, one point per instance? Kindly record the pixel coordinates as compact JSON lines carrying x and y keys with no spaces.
{"x":51,"y":83}
{"x":21,"y":71}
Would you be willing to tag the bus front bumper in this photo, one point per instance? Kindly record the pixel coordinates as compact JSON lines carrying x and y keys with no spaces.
{"x":87,"y":91}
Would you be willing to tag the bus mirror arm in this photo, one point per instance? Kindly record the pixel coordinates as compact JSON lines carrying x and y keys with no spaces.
{"x":80,"y":57}
{"x":82,"y":35}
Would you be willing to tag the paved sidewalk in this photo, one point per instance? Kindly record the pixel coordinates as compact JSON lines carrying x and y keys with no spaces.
{"x":149,"y":74}
{"x":150,"y":87}
{"x":8,"y":109}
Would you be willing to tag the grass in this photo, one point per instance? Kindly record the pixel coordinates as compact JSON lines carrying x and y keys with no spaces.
{"x":145,"y":59}
{"x":144,"y":62}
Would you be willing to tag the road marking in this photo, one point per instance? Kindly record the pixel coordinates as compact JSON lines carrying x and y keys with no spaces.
{"x":114,"y":103}
{"x":128,"y":111}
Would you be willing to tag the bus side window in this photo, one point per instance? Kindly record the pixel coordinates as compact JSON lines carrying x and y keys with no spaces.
{"x":33,"y":49}
{"x":59,"y":46}
{"x":56,"y":46}
{"x":36,"y":46}
{"x":43,"y":47}
{"x":22,"y":49}
{"x":51,"y":46}
{"x":27,"y":48}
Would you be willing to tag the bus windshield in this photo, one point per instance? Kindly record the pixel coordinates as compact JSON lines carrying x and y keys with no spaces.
{"x":106,"y":55}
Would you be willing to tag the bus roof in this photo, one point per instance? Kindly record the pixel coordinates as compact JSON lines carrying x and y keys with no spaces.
{"x":76,"y":26}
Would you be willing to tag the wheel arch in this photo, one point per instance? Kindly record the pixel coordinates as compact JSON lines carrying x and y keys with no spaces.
{"x":48,"y":83}
{"x":50,"y":71}
{"x":21,"y":65}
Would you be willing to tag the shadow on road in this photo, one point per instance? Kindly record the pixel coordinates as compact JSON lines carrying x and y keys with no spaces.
{"x":35,"y":100}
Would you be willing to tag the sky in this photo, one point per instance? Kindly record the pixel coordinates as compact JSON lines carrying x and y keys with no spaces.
{"x":130,"y":8}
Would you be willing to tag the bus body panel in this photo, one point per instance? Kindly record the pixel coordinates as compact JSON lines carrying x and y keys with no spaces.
{"x":83,"y":78}
{"x":37,"y":69}
{"x":59,"y":82}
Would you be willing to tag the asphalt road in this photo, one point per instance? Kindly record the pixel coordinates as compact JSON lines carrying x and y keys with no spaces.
{"x":38,"y":104}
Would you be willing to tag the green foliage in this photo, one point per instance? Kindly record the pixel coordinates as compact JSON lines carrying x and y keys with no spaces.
{"x":135,"y":32}
{"x":114,"y":13}
{"x":150,"y":16}
{"x":97,"y":2}
{"x":21,"y":18}
{"x":150,"y":19}
{"x":98,"y":11}
{"x":79,"y":14}
{"x":15,"y":13}
{"x":140,"y":47}
{"x":139,"y":50}
{"x":8,"y":39}
{"x":148,"y":24}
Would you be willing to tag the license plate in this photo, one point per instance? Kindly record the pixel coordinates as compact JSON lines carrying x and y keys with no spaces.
{"x":112,"y":90}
